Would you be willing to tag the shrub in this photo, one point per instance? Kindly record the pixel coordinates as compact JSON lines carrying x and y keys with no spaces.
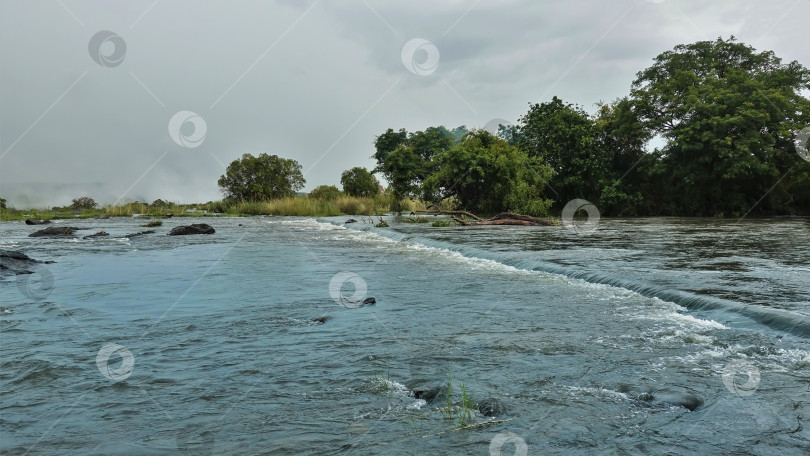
{"x":83,"y":202}
{"x":325,"y":192}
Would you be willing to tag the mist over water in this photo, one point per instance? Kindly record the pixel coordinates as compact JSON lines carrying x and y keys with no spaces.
{"x":593,"y":343}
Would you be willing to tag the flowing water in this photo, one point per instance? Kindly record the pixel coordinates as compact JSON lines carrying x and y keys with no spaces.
{"x":593,"y":343}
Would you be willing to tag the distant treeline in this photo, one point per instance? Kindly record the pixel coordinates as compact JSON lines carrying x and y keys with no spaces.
{"x":727,"y":117}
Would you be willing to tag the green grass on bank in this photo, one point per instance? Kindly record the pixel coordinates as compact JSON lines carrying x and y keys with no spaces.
{"x":293,"y":206}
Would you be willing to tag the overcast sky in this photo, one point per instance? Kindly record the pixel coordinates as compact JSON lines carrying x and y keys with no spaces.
{"x":84,"y":112}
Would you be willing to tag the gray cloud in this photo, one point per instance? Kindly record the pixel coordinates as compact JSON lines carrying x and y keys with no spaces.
{"x":311,"y":81}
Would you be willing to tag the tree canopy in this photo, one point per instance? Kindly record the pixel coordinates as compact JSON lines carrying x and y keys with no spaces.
{"x":261,"y":178}
{"x":730,"y":117}
{"x":359,"y":182}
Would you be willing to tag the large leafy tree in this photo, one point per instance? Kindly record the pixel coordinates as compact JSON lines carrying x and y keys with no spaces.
{"x":412,"y":158}
{"x":565,"y":137}
{"x":730,"y":116}
{"x":488,"y":175}
{"x":388,"y":142}
{"x":359,"y":182}
{"x":261,"y":178}
{"x":622,"y":138}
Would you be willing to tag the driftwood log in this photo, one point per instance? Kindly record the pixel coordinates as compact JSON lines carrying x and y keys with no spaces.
{"x":512,"y":217}
{"x":468,"y":214}
{"x":504,"y":218}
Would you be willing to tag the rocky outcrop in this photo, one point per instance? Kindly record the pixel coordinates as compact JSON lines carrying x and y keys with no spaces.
{"x":95,"y":235}
{"x":55,"y":231}
{"x":195,"y":228}
{"x":14,"y":262}
{"x":36,"y":222}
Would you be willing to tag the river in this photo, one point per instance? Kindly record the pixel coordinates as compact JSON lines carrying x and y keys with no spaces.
{"x":643,"y":336}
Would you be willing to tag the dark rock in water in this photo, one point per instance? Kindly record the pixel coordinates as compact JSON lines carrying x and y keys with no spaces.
{"x":430,"y":395}
{"x":350,"y":221}
{"x":320,"y":320}
{"x":687,"y":401}
{"x":491,"y":407}
{"x":36,"y":222}
{"x":196,"y":228}
{"x":15,"y":262}
{"x":132,"y":235}
{"x":169,"y":215}
{"x":369,"y":301}
{"x":55,"y":231}
{"x":95,"y":235}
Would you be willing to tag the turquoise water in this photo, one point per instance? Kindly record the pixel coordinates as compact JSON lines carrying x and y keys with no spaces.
{"x":589,"y":341}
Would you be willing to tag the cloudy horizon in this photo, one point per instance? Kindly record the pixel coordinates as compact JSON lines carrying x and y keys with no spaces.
{"x":99,"y":99}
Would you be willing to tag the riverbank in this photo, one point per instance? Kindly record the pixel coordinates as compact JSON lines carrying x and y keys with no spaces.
{"x":293,"y":206}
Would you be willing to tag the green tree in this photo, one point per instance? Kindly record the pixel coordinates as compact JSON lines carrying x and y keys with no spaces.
{"x":730,"y":116}
{"x":566,"y":138}
{"x":408,"y":164}
{"x":488,"y":175}
{"x":403,"y":169}
{"x":386,"y":143}
{"x":622,"y":138}
{"x":2,"y":203}
{"x":359,"y":182}
{"x":261,"y":178}
{"x":83,"y":202}
{"x":325,"y":192}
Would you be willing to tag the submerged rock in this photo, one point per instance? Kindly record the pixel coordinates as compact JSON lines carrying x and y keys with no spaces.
{"x":195,"y":228}
{"x":369,"y":301}
{"x":350,"y":221}
{"x":320,"y":320}
{"x":491,"y":407}
{"x":95,"y":235}
{"x":430,"y":395}
{"x":685,"y":400}
{"x":55,"y":231}
{"x":36,"y":222}
{"x":16,"y":262}
{"x":132,"y":235}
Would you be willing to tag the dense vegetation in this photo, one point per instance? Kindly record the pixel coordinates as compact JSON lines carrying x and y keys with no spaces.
{"x":731,"y":125}
{"x":728,"y":117}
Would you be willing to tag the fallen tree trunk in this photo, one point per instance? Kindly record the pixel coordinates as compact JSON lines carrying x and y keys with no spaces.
{"x":460,"y":220}
{"x":507,"y":222}
{"x":532,"y":221}
{"x":470,"y":215}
